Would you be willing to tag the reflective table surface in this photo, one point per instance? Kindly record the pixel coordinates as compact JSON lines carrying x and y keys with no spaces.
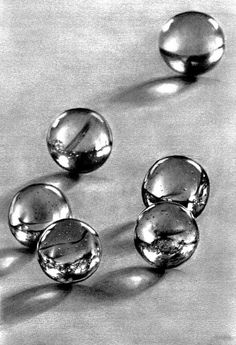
{"x":104,"y":55}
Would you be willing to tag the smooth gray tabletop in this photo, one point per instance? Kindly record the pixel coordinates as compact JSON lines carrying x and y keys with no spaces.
{"x":103,"y":55}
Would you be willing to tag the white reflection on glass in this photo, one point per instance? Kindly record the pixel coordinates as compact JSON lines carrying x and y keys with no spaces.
{"x":216,"y":55}
{"x":214,"y":23}
{"x":167,"y":25}
{"x":171,"y":45}
{"x":178,"y":66}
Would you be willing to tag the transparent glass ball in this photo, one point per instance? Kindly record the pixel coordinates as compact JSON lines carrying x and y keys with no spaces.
{"x":79,"y":140}
{"x":69,"y":251}
{"x":178,"y":179}
{"x":191,"y":43}
{"x":166,"y":235}
{"x":33,"y":208}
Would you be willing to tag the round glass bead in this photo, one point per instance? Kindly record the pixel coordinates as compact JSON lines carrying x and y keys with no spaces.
{"x":166,"y":235}
{"x":178,"y":179}
{"x":33,"y":208}
{"x":69,"y":251}
{"x":79,"y":140}
{"x":191,"y":43}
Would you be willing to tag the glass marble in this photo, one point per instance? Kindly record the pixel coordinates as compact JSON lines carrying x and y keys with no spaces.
{"x":191,"y":43}
{"x":166,"y":235}
{"x":69,"y":251}
{"x":33,"y":208}
{"x":178,"y":179}
{"x":79,"y":140}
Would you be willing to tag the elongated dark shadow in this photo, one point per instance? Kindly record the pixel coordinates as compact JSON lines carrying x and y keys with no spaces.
{"x":222,"y":339}
{"x":63,"y":180}
{"x":118,"y":230}
{"x":128,"y":281}
{"x":115,"y":285}
{"x":153,"y":90}
{"x":30,"y":302}
{"x":118,"y":240}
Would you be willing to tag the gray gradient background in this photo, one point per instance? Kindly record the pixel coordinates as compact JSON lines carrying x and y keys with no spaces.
{"x":56,"y":55}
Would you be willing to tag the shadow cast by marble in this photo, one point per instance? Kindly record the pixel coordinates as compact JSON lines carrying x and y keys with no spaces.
{"x":153,"y":90}
{"x":33,"y":301}
{"x":14,"y":259}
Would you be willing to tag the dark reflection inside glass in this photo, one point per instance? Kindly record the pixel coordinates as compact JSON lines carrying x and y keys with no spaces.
{"x":166,"y":235}
{"x":191,"y":43}
{"x":178,"y":179}
{"x":79,"y":140}
{"x":69,"y":251}
{"x":33,"y":208}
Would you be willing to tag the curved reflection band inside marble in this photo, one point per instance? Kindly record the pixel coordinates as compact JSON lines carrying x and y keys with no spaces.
{"x":178,"y":179}
{"x":191,"y":43}
{"x":166,"y":235}
{"x":80,"y":140}
{"x":33,"y":208}
{"x":69,"y":251}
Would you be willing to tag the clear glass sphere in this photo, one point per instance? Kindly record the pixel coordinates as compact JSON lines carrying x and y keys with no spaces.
{"x":33,"y":208}
{"x":79,"y":140}
{"x":69,"y":251}
{"x":166,"y":235}
{"x":178,"y":179}
{"x":191,"y":43}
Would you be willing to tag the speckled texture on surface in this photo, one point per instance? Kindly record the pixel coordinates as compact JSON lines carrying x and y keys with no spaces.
{"x":103,"y":55}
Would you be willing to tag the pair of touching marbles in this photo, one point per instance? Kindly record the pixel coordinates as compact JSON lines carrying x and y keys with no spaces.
{"x":69,"y":250}
{"x":175,"y":191}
